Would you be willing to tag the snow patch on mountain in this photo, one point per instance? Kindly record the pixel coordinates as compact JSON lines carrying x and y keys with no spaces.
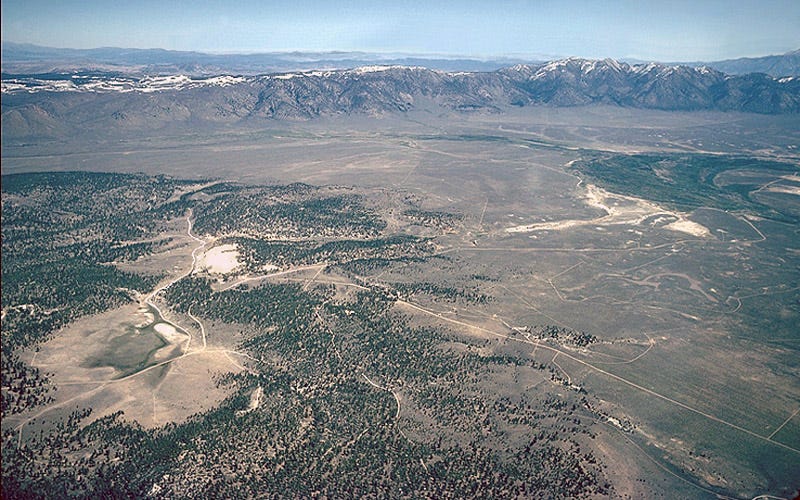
{"x":83,"y":83}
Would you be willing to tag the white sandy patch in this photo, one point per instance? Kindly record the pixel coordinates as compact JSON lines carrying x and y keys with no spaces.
{"x":219,"y":260}
{"x":687,"y":226}
{"x":597,"y":197}
{"x":619,"y":209}
{"x":169,"y":333}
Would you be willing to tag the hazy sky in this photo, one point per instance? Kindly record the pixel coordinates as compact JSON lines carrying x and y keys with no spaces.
{"x":670,"y":30}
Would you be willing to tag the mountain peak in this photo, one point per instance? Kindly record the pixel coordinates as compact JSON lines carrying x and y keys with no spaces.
{"x":386,"y":89}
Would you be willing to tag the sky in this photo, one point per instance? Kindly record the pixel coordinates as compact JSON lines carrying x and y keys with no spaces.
{"x":669,"y":30}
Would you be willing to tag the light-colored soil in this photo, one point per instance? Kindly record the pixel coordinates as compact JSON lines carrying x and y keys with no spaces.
{"x":169,"y":333}
{"x":174,"y":403}
{"x":221,"y":259}
{"x":687,"y":226}
{"x":620,"y":210}
{"x":151,"y":397}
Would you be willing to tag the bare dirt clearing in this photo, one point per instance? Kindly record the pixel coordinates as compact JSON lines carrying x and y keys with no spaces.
{"x":122,"y":359}
{"x":619,"y":210}
{"x":222,"y":259}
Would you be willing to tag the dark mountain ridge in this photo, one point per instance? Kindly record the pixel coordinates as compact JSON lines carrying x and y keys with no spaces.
{"x":781,"y":65}
{"x":33,"y":107}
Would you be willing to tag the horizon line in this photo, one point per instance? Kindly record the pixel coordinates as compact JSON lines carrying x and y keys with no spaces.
{"x":422,"y":55}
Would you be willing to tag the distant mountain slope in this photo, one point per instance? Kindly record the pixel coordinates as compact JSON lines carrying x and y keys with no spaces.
{"x":26,"y":58}
{"x":780,"y":65}
{"x":35,"y":106}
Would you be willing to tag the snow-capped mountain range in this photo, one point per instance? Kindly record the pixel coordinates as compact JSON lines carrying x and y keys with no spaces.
{"x":36,"y":103}
{"x":573,"y":70}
